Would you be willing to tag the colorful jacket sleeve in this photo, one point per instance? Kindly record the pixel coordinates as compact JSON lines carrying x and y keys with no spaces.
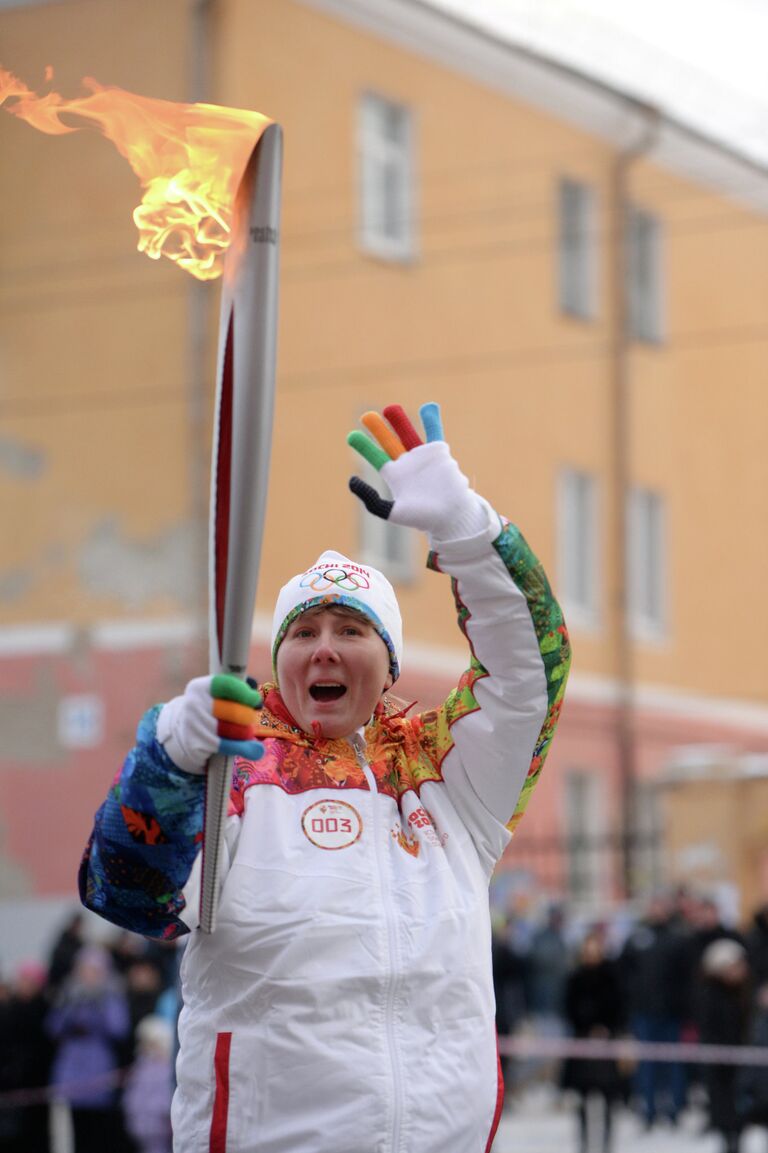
{"x":492,"y":734}
{"x":145,"y":840}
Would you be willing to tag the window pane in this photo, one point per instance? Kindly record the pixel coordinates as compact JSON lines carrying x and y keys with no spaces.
{"x":386,"y":178}
{"x":644,"y":273}
{"x":646,"y":560}
{"x":577,"y":535}
{"x":576,"y":248}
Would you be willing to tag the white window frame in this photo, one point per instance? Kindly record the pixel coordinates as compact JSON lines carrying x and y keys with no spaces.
{"x":577,"y":248}
{"x":386,"y":178}
{"x":645,"y":276}
{"x":647,"y":566}
{"x":386,"y":546}
{"x":578,"y":546}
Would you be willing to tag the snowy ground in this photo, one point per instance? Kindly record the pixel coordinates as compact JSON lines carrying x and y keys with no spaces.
{"x":540,"y":1121}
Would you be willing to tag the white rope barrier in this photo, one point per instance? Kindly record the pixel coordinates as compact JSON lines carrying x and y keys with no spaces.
{"x":626,"y":1049}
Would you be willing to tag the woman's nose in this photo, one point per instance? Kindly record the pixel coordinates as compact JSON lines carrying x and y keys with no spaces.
{"x":325,"y":650}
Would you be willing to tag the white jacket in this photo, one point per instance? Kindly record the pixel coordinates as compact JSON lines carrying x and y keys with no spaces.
{"x":344,"y":1003}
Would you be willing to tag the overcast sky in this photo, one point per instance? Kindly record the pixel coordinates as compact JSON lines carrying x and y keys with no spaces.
{"x":703,"y":61}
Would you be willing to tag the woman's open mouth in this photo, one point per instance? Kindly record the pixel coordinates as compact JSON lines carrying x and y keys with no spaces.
{"x":327,"y":692}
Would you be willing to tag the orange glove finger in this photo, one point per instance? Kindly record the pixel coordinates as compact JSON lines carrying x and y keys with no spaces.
{"x":379,"y":429}
{"x":232,"y":711}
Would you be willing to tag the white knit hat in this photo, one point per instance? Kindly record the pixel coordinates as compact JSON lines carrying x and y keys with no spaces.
{"x":720,"y":955}
{"x":335,"y":579}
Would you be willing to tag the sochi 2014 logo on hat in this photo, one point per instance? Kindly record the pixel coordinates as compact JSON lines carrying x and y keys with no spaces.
{"x":331,"y":824}
{"x":323,"y":578}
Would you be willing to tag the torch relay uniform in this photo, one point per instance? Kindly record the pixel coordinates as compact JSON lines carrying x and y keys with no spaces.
{"x":344,"y":1002}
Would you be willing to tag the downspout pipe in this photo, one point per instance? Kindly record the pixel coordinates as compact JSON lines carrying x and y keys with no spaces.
{"x":621,"y":338}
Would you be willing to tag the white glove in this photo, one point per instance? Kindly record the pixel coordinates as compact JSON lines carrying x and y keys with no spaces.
{"x":429,"y":490}
{"x":204,"y":720}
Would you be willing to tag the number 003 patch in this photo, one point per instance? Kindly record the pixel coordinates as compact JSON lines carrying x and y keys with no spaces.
{"x":332,"y":824}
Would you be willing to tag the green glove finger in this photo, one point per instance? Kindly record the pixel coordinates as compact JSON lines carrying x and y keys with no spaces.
{"x":368,"y":449}
{"x":228,"y":687}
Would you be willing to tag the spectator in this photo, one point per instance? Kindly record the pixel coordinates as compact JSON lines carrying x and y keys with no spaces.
{"x":25,"y":1058}
{"x":752,"y":1080}
{"x":547,"y":973}
{"x":593,"y":1009}
{"x":756,"y":942}
{"x":148,"y":1089}
{"x":143,"y":986}
{"x":88,"y":1021}
{"x":653,"y":961}
{"x":66,"y":947}
{"x":508,"y":976}
{"x":724,"y":1020}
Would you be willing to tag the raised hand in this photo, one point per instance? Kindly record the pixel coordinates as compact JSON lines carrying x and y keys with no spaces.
{"x":430,"y":492}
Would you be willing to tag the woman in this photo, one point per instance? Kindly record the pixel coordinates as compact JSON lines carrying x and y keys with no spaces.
{"x":345,"y":1000}
{"x":87,"y":1023}
{"x":594,"y":1009}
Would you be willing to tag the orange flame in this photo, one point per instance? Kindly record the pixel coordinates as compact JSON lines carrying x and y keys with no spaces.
{"x":188,"y":157}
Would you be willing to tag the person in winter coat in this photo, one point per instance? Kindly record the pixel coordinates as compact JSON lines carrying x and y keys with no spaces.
{"x":87,"y":1023}
{"x":344,"y":1003}
{"x":752,"y":1080}
{"x":594,"y":1009}
{"x":724,"y":1011}
{"x":25,"y":1060}
{"x":148,"y":1087}
{"x":756,"y":942}
{"x":654,"y":965}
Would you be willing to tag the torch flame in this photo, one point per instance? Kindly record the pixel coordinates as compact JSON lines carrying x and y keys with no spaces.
{"x":188,"y":157}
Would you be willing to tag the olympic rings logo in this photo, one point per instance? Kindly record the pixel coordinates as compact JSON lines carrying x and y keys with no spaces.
{"x":340,"y":578}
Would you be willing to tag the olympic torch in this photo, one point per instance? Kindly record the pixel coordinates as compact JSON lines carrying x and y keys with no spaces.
{"x":240,"y":459}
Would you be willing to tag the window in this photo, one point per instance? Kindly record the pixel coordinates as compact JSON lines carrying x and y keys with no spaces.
{"x":646,"y":562}
{"x":386,"y":546}
{"x":80,"y":721}
{"x":576,"y":248}
{"x":644,"y":275}
{"x":577,"y":545}
{"x":588,"y":858}
{"x":386,"y":178}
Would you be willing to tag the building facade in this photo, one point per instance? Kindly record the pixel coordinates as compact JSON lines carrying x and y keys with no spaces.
{"x":581,"y":284}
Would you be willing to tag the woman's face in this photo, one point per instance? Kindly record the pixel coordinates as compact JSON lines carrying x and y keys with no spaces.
{"x":332,"y":668}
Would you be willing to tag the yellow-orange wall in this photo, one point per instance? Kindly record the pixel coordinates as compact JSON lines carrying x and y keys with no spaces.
{"x":98,"y":361}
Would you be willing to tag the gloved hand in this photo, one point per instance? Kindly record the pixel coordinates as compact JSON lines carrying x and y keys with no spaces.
{"x":213,"y":715}
{"x":430,"y":491}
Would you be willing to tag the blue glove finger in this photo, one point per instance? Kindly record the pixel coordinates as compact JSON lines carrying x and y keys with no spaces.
{"x":248,"y":750}
{"x":432,"y":421}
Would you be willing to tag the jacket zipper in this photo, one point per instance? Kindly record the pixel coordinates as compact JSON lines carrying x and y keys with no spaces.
{"x":358,"y":744}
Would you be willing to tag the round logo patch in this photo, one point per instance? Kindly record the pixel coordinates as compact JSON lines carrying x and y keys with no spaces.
{"x":331,"y":824}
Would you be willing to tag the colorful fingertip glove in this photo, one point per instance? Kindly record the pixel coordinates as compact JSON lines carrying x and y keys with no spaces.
{"x":429,"y":490}
{"x":213,"y":715}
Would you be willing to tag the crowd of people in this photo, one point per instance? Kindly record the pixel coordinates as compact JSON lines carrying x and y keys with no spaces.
{"x":679,"y":974}
{"x":94,"y":1028}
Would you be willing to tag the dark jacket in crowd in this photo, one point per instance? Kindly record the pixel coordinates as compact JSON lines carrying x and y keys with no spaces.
{"x":656,"y":965}
{"x":26,"y":1053}
{"x":756,"y":942}
{"x":594,"y":1008}
{"x":723,"y":1019}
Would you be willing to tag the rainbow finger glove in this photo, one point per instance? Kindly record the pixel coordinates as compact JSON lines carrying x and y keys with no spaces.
{"x":213,"y":715}
{"x":429,"y":490}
